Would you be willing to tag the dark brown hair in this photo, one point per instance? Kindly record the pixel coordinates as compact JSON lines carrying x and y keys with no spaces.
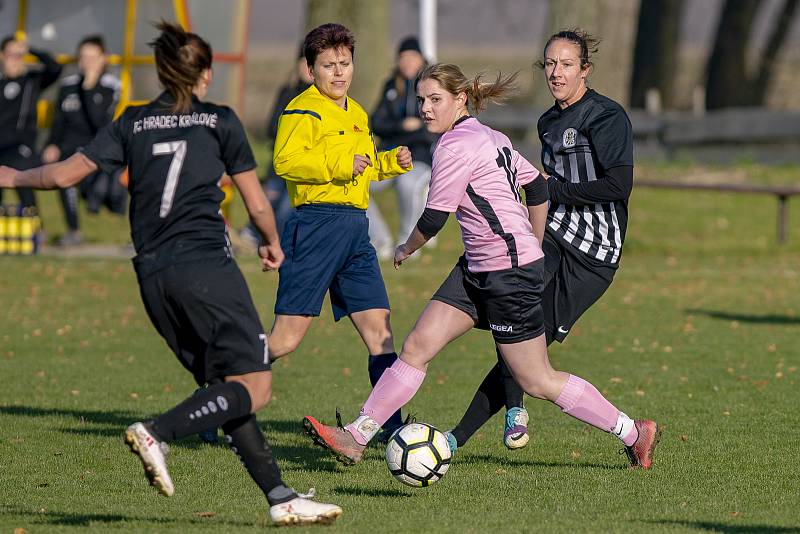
{"x":478,"y":93}
{"x":6,"y":40}
{"x":586,"y":43}
{"x":94,"y":40}
{"x":329,"y":35}
{"x":181,"y":57}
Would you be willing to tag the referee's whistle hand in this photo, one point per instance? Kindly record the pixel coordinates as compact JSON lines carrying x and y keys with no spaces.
{"x":271,"y":256}
{"x":360,"y":163}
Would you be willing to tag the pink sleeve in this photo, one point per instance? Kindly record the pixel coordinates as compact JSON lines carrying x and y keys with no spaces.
{"x":450,"y":177}
{"x":525,"y":171}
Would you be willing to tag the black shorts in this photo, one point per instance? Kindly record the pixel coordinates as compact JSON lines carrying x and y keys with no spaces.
{"x":573,"y":282}
{"x":20,"y":157}
{"x":507,"y":302}
{"x":204,"y":311}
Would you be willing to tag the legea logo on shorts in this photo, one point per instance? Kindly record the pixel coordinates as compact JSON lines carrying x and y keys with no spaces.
{"x":501,"y":327}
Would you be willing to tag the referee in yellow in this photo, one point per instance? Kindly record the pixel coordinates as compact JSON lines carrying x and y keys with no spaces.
{"x":325,"y":152}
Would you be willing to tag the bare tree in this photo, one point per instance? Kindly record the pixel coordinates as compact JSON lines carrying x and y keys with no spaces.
{"x":369,"y":22}
{"x":771,"y":52}
{"x":656,"y":51}
{"x":729,"y":82}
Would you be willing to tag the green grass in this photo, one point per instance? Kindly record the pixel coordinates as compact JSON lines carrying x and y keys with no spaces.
{"x":699,"y":331}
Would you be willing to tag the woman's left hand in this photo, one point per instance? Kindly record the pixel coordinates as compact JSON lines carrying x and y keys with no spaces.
{"x":400,"y":255}
{"x":404,"y":157}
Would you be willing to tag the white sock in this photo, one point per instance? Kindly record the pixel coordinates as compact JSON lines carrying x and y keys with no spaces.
{"x":624,"y":427}
{"x":365,"y":426}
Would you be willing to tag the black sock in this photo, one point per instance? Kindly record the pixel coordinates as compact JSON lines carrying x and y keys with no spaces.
{"x":250,"y":445}
{"x":208,"y":408}
{"x":513,"y":392}
{"x":377,"y":365}
{"x":488,"y":400}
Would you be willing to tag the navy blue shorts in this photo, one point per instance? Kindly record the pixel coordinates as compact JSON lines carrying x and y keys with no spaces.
{"x":327,"y":249}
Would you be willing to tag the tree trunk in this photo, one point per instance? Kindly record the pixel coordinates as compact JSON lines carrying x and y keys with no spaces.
{"x":656,"y":52}
{"x":369,"y":22}
{"x":728,"y":83}
{"x":771,"y":53}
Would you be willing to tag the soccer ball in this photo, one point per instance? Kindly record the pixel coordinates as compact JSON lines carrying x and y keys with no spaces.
{"x":418,"y":455}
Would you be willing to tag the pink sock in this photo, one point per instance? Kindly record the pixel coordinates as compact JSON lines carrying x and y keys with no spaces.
{"x":396,"y":386}
{"x":582,"y":401}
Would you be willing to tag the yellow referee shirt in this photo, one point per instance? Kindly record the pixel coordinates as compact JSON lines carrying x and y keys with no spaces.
{"x":314,"y":152}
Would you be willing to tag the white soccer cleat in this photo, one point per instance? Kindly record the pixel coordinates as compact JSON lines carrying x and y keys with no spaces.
{"x":153,"y":455}
{"x":302,"y":510}
{"x":516,"y":429}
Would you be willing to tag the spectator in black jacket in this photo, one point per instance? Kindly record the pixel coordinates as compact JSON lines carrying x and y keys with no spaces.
{"x":274,"y":186}
{"x":397,"y":122}
{"x":20,"y":88}
{"x":86,"y":102}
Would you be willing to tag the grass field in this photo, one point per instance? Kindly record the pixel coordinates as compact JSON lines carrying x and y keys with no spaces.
{"x":699,"y":331}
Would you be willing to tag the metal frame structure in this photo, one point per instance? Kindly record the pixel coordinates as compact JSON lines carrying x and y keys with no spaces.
{"x":128,"y":59}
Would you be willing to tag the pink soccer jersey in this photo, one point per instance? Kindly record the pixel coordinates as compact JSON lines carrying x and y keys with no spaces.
{"x":477,"y":174}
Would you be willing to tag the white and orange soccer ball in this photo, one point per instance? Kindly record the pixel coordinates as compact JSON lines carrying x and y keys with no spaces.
{"x":418,"y":455}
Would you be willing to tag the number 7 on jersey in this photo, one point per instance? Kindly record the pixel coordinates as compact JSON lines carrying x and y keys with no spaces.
{"x":178,"y":148}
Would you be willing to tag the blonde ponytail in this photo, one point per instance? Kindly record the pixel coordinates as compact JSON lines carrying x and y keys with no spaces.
{"x":479,"y":93}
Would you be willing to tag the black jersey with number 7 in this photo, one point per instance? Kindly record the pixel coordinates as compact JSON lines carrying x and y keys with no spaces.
{"x":175,"y":161}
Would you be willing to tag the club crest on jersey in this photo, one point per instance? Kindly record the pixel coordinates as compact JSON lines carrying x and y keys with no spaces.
{"x":11,"y":90}
{"x":356,"y":128}
{"x":71,"y":103}
{"x":570,"y":137}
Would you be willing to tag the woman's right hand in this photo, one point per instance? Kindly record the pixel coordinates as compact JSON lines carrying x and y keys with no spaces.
{"x":360,"y":163}
{"x":271,"y":256}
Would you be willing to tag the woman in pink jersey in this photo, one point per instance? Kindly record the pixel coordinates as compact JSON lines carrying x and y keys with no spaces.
{"x":496,"y":285}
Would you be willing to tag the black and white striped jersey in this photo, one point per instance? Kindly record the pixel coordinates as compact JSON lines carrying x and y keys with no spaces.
{"x":583,"y":148}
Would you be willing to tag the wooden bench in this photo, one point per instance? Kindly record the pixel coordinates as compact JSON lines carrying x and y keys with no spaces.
{"x":781,"y":192}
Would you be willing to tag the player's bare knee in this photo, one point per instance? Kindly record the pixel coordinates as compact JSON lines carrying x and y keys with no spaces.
{"x":260,"y":398}
{"x":415,"y":351}
{"x":542,"y":385}
{"x":258,"y":386}
{"x":280,"y":346}
{"x":534,"y":386}
{"x":375,"y":330}
{"x":380,"y":341}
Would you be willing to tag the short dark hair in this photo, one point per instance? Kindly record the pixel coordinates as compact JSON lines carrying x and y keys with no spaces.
{"x":327,"y":36}
{"x":6,"y":40}
{"x":94,"y":40}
